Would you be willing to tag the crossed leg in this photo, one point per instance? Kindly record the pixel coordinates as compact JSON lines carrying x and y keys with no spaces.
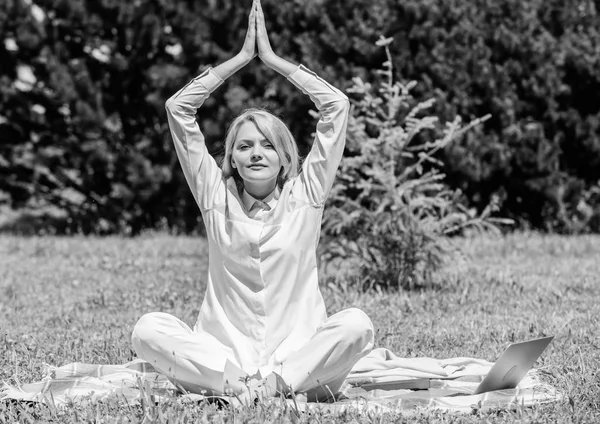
{"x":191,"y":360}
{"x":196,"y":361}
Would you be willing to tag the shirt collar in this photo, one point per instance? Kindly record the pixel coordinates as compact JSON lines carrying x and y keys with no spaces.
{"x":268,"y":202}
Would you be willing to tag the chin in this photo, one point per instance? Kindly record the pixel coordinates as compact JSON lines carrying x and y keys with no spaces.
{"x":259,"y":178}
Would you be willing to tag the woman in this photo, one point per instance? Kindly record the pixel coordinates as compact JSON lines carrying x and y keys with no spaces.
{"x":263,"y":312}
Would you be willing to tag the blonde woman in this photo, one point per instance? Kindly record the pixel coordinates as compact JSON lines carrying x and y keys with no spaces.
{"x":263,"y":314}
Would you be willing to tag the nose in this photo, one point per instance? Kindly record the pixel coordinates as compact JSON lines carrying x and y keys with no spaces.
{"x":256,"y":152}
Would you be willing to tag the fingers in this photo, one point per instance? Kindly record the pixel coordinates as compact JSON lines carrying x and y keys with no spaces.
{"x":262,"y":38}
{"x":252,"y":17}
{"x":261,"y":26}
{"x":249,"y":49}
{"x":260,"y":16}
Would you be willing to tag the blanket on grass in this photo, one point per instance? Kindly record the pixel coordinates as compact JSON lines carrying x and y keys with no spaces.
{"x":380,"y":382}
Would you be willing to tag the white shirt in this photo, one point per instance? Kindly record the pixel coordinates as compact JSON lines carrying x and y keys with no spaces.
{"x":262,"y":297}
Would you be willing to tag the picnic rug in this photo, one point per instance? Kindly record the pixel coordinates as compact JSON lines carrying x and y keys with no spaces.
{"x":380,"y":382}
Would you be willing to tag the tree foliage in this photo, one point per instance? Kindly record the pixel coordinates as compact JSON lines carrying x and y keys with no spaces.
{"x":83,"y":84}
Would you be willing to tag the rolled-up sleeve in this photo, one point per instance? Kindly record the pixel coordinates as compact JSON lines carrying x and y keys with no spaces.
{"x":320,"y":166}
{"x":201,"y":171}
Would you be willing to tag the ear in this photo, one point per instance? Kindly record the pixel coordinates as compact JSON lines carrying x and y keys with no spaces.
{"x":233,"y":165}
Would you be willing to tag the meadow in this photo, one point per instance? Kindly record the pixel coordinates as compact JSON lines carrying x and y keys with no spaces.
{"x":77,"y":299}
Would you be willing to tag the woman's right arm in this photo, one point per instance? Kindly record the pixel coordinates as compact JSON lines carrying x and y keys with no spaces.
{"x":200,"y":169}
{"x":202,"y":173}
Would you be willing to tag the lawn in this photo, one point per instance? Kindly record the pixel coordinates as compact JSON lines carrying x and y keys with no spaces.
{"x":77,"y":299}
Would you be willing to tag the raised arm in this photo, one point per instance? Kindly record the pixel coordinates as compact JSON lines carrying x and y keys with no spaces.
{"x":202,"y":173}
{"x":320,"y":166}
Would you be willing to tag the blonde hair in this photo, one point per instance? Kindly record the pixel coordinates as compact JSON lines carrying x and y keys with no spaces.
{"x":276,"y":132}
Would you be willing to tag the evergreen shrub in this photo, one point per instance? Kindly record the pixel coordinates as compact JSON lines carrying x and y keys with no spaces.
{"x":390,"y":209}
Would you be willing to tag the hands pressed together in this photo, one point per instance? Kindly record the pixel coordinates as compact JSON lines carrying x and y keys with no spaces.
{"x":257,"y":42}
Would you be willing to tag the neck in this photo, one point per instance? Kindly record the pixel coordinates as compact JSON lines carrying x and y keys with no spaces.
{"x":259,"y":191}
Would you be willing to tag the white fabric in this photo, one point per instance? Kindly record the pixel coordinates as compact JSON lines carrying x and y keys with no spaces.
{"x":262,"y":303}
{"x":257,"y":208}
{"x":196,"y":361}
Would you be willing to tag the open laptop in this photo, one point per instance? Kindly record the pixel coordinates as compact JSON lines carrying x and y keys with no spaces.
{"x":513,"y":364}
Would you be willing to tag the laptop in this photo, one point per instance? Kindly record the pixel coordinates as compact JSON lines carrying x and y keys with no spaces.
{"x":513,"y":364}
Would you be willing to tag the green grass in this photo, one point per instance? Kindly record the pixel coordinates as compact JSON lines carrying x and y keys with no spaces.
{"x":77,"y":299}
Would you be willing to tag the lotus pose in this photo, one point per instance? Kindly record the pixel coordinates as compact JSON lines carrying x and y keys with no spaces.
{"x":263,"y":315}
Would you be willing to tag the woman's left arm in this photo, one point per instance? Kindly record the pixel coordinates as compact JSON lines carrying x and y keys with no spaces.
{"x":320,"y":166}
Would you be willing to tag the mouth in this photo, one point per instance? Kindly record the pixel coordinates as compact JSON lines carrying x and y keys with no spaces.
{"x":257,"y":166}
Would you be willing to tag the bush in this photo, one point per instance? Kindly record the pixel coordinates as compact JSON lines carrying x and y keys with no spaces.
{"x":532,"y":65}
{"x":390,"y":208}
{"x":83,"y":132}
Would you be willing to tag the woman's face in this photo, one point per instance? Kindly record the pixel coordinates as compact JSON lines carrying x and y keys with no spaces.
{"x":256,"y":160}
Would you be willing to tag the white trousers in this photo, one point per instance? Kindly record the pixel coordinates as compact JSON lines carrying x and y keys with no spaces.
{"x":196,"y":361}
